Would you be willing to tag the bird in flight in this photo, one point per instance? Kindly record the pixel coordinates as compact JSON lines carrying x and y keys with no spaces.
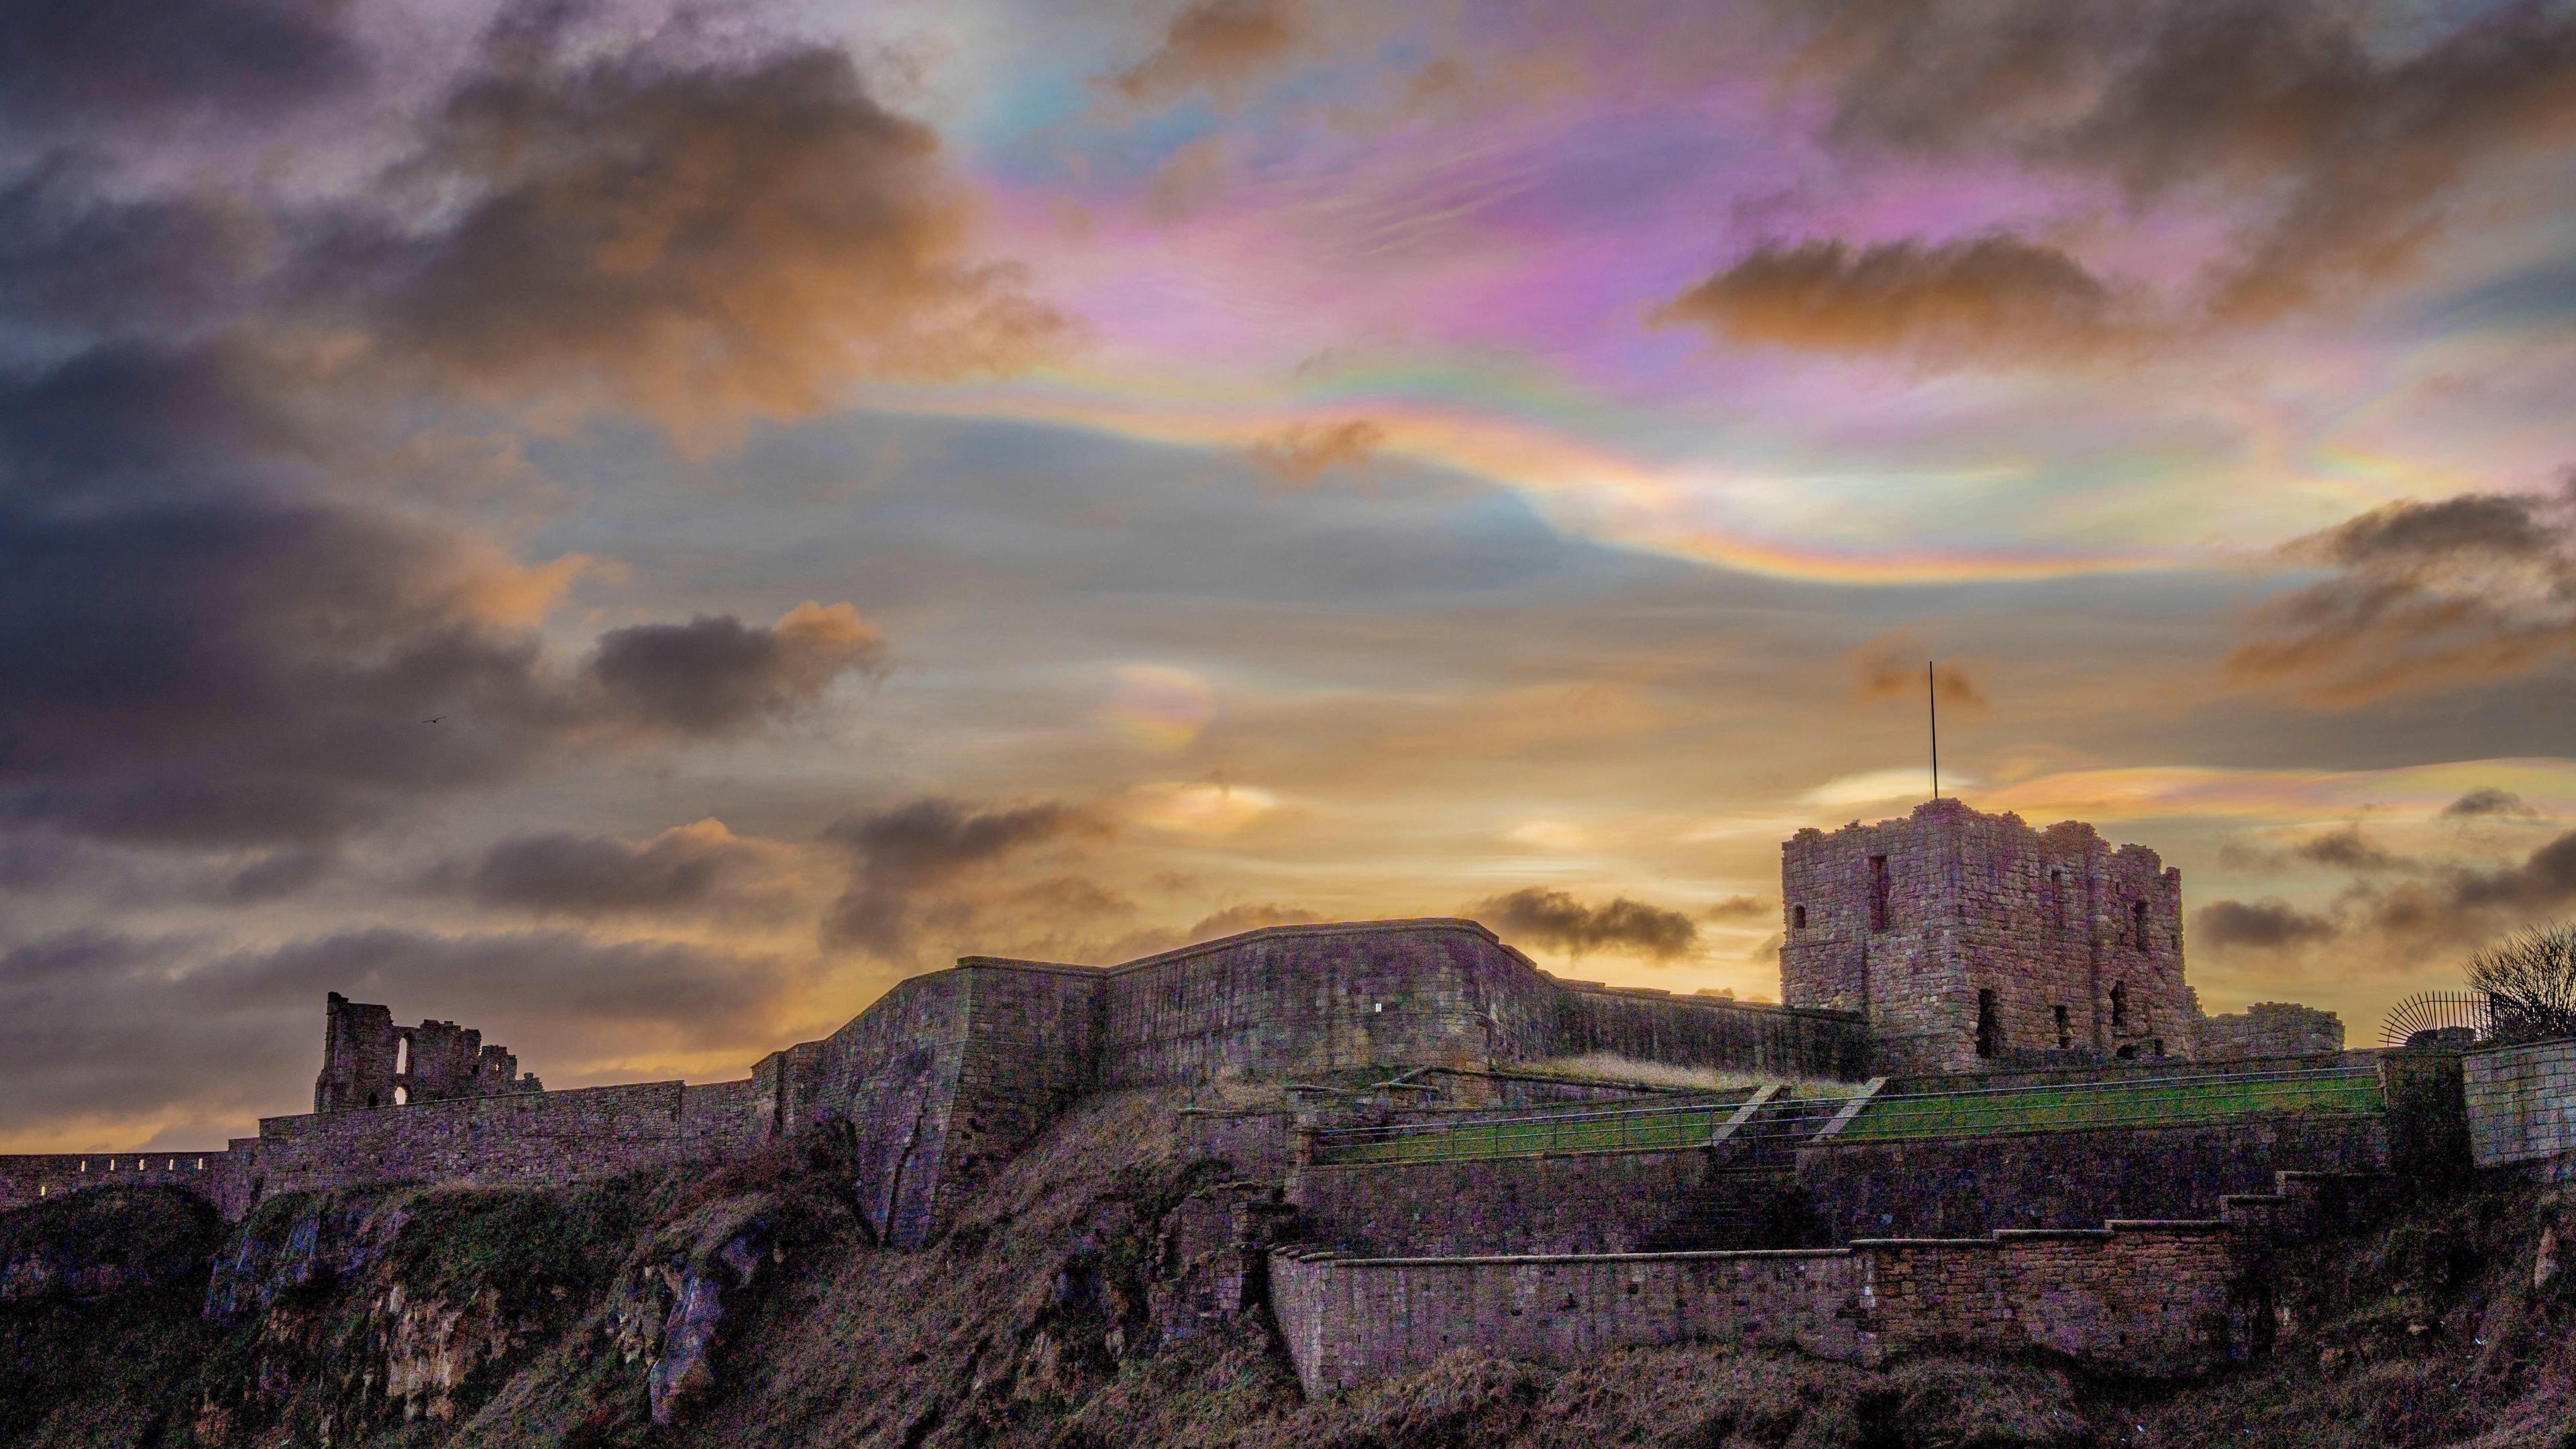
{"x":433,"y":719}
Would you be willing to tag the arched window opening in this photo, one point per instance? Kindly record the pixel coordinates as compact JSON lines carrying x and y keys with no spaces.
{"x":2138,"y":923}
{"x":402,"y":1095}
{"x":402,"y":1055}
{"x":2065,"y":1029}
{"x":1990,"y":1029}
{"x":2119,"y":1004}
{"x":1880,"y":914}
{"x":371,"y":1100}
{"x":1797,"y":918}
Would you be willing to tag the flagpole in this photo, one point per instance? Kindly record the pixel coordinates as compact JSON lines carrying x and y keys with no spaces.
{"x":1932,"y":702}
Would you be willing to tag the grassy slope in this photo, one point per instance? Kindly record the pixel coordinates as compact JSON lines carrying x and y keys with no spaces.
{"x":1028,"y":1327}
{"x":2072,"y":1108}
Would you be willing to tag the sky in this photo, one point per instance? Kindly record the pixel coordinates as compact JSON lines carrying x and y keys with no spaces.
{"x":634,"y":525}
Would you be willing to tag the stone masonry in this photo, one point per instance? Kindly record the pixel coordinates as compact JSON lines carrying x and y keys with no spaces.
{"x":1972,"y":942}
{"x":367,"y":1061}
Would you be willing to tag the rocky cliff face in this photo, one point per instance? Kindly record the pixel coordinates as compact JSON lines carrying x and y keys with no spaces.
{"x":1086,"y":1299}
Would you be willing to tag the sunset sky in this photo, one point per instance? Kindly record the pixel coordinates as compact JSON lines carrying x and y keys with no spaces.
{"x":634,"y":526}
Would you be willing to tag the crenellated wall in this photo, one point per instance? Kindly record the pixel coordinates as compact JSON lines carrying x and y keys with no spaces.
{"x":26,"y":1178}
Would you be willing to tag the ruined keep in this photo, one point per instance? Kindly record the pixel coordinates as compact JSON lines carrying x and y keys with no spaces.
{"x":1970,"y":941}
{"x":367,"y":1061}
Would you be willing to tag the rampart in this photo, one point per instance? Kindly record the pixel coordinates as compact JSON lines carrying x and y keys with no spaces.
{"x":28,"y":1177}
{"x":951,"y":1072}
{"x":2522,"y":1104}
{"x":1542,"y":1203}
{"x":2140,"y":1297}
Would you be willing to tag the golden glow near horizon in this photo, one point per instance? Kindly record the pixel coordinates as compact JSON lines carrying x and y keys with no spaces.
{"x":645,"y":587}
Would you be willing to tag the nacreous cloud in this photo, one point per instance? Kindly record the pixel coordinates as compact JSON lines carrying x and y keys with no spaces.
{"x":1991,"y":296}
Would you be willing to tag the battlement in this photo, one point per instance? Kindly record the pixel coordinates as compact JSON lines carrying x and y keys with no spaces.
{"x":367,"y":1061}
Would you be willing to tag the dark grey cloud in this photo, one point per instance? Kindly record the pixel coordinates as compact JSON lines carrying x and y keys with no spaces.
{"x":716,"y":673}
{"x":2337,"y":145}
{"x":1899,"y":666}
{"x":1744,"y":908}
{"x":2487,"y":802}
{"x":159,"y":265}
{"x":1556,"y":918}
{"x":2420,"y":595}
{"x":100,"y":1022}
{"x":1990,"y":296}
{"x":78,"y":65}
{"x":2267,"y":924}
{"x":919,"y":863}
{"x":687,"y":868}
{"x":2441,"y":910}
{"x":277,"y":874}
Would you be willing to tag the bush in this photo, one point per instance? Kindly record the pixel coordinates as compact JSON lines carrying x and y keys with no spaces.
{"x":2530,"y":983}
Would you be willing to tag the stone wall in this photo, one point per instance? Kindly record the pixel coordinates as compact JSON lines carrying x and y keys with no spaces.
{"x":1588,"y":1202}
{"x":2147,"y":1298}
{"x":2271,"y":1029}
{"x":1648,"y":1025}
{"x":1966,"y":1186}
{"x":2522,"y":1104}
{"x":521,"y":1139}
{"x":367,"y":1061}
{"x":1964,"y":938}
{"x":28,"y":1177}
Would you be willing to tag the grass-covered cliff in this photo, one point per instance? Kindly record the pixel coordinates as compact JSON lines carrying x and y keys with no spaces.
{"x":747,"y":1306}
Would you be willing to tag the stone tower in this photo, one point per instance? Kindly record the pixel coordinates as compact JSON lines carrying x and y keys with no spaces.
{"x":1972,"y":942}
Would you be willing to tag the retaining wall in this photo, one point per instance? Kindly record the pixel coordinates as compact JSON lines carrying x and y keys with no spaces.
{"x":1586,"y":1202}
{"x":2146,"y":1298}
{"x":2522,"y":1103}
{"x":1963,"y":1186}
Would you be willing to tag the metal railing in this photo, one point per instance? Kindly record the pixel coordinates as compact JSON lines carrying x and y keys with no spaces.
{"x":2155,"y":1101}
{"x":1618,"y":1129}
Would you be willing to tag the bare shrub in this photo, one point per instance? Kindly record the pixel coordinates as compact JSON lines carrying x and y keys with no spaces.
{"x":2530,"y":982}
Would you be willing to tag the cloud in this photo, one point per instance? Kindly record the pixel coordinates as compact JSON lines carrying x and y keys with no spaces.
{"x":1743,"y":908}
{"x":2338,"y":147}
{"x":1892,"y":667}
{"x":1986,"y":297}
{"x":1555,"y":918}
{"x":922,"y":861}
{"x":73,"y":66}
{"x":687,"y":867}
{"x":715,"y":673}
{"x":1300,"y":453}
{"x":2443,"y":910}
{"x":2487,"y":802}
{"x":2420,"y":595}
{"x":2345,"y":847}
{"x":1220,"y":48}
{"x":698,"y":240}
{"x":2267,"y":924}
{"x":164,"y":266}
